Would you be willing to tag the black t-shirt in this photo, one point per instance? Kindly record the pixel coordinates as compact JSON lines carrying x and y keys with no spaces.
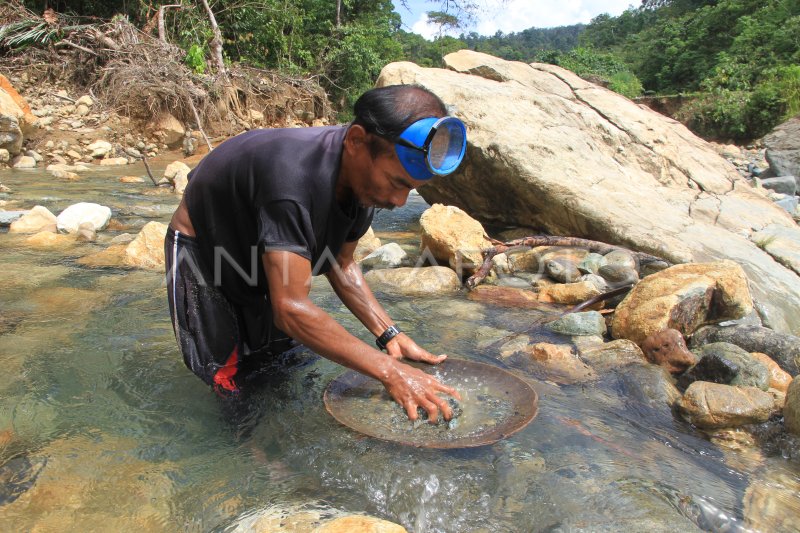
{"x":271,"y":190}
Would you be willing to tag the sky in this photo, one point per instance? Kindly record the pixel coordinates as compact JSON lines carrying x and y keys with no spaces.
{"x":510,"y":16}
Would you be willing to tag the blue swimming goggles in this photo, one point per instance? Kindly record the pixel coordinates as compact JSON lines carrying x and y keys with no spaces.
{"x":432,"y":147}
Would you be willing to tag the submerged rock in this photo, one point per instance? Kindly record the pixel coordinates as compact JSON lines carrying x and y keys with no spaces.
{"x":423,"y":281}
{"x":570,"y":293}
{"x":505,"y":296}
{"x":604,"y":356}
{"x":783,"y":348}
{"x":562,"y":270}
{"x":713,"y":405}
{"x":588,"y":323}
{"x":683,"y":297}
{"x":558,"y":363}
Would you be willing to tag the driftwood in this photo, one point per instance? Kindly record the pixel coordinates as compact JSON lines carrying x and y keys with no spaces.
{"x":548,"y":240}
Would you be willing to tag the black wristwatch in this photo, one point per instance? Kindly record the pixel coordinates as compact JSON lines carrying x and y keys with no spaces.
{"x":390,"y":333}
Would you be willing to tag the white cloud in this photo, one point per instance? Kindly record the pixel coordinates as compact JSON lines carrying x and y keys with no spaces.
{"x":511,"y":16}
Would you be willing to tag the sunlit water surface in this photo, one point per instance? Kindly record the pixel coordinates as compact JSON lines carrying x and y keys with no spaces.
{"x":103,"y":428}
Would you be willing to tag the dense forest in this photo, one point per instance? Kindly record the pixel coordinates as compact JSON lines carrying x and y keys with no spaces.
{"x":737,"y":62}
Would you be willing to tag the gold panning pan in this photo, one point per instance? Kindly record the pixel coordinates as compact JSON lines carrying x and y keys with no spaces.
{"x":494,"y":404}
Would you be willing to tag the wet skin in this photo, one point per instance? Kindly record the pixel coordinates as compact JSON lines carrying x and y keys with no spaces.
{"x":373,"y":182}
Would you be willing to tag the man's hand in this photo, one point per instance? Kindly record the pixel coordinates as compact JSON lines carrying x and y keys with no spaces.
{"x":412,"y":388}
{"x":404,"y":346}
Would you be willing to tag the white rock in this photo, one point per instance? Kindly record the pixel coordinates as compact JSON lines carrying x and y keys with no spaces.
{"x":389,"y":255}
{"x":85,"y":100}
{"x":73,"y":216}
{"x":100,"y":148}
{"x":114,"y":161}
{"x":24,"y":161}
{"x":5,"y":157}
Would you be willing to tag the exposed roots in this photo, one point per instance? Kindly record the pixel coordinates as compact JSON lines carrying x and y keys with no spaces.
{"x":140,"y":76}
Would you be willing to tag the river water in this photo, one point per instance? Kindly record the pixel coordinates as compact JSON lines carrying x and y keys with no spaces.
{"x":103,"y":428}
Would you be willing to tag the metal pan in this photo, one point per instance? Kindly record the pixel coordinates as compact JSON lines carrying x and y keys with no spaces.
{"x":494,"y":404}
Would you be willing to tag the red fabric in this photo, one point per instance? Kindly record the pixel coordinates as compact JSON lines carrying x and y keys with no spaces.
{"x":224,"y":376}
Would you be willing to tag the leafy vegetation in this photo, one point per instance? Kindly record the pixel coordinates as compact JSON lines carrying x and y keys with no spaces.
{"x":738,"y":59}
{"x":741,"y":57}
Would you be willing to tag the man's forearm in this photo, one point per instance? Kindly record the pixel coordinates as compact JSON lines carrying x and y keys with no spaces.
{"x":316,"y":329}
{"x":352,"y":289}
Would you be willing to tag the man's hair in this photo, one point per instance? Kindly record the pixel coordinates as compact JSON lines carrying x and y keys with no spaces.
{"x":387,"y":111}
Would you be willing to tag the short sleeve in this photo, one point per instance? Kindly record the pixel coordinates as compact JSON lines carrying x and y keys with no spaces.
{"x":286,"y":226}
{"x":361,"y":225}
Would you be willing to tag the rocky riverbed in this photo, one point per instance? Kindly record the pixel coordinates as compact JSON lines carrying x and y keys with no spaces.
{"x":670,"y":405}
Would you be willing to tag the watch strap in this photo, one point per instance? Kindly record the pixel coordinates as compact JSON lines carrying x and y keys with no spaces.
{"x":390,"y":333}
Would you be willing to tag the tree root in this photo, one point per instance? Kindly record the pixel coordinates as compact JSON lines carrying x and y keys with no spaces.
{"x":548,"y":240}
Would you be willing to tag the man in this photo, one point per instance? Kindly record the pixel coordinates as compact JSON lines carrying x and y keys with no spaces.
{"x":268,"y":209}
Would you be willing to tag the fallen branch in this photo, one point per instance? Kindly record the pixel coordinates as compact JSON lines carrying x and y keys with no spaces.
{"x":149,"y":172}
{"x":199,"y":124}
{"x":64,"y":42}
{"x":549,"y":240}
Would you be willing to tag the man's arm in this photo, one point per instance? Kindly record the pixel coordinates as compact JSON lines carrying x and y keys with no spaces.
{"x":295,"y":314}
{"x":352,"y":289}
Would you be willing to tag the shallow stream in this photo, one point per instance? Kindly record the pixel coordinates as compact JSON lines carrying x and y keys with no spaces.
{"x":102,"y":428}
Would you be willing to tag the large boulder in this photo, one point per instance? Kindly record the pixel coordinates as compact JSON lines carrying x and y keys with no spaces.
{"x":783,"y":148}
{"x":178,"y":173}
{"x":683,"y":297}
{"x":549,"y":150}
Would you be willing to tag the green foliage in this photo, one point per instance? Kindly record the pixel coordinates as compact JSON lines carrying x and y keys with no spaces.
{"x":526,"y":45}
{"x":605,"y":68}
{"x":196,"y":59}
{"x":743,"y":55}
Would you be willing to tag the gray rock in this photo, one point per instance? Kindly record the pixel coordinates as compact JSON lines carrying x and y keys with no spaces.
{"x":650,"y":385}
{"x":782,"y":184}
{"x":513,"y":281}
{"x":783,"y":148}
{"x":791,"y":411}
{"x":591,"y":263}
{"x":783,"y":348}
{"x":7,"y":217}
{"x":789,"y":204}
{"x":597,"y":281}
{"x":726,"y":363}
{"x":618,"y":275}
{"x":562,"y":270}
{"x":579,"y":324}
{"x":622,"y":258}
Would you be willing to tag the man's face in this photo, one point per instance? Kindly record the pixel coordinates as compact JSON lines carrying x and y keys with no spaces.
{"x":383,"y":182}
